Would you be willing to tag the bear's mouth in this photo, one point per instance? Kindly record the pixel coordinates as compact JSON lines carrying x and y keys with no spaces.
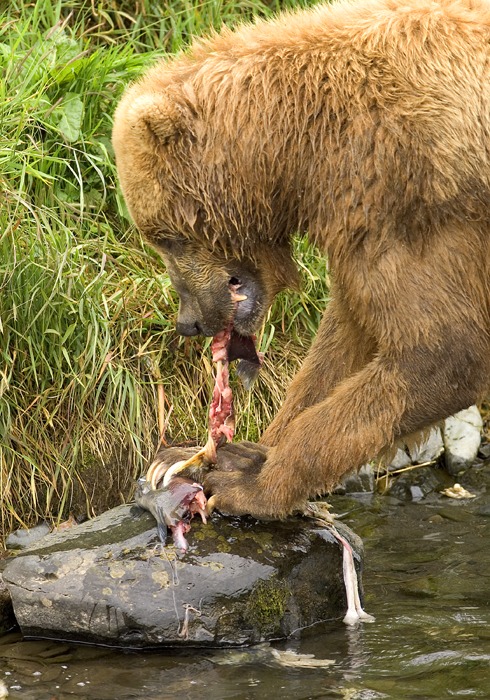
{"x":243,"y":349}
{"x":237,"y":346}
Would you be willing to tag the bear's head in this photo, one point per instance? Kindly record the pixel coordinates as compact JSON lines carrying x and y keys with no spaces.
{"x":181,"y":177}
{"x":204,"y":280}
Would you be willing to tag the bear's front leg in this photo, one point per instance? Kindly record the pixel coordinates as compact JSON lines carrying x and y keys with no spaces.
{"x":340,"y":349}
{"x":323,"y":442}
{"x":388,"y":398}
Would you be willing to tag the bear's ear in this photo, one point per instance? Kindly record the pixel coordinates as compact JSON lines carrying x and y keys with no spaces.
{"x":160,"y":114}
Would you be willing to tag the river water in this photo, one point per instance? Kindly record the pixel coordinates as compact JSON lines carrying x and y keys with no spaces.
{"x":426,"y":580}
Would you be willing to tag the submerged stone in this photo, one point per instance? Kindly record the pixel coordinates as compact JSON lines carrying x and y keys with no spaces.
{"x":416,"y":484}
{"x":110,"y":581}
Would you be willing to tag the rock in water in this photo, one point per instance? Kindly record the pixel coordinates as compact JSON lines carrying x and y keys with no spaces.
{"x":7,"y":620}
{"x":110,"y":581}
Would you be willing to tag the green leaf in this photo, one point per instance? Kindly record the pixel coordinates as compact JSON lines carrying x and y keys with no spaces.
{"x":71,"y":116}
{"x":68,"y":332}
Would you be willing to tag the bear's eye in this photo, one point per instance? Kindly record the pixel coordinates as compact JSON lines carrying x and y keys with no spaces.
{"x":234,"y":281}
{"x":171,"y":245}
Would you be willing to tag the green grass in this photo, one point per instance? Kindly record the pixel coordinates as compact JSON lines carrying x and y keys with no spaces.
{"x":89,"y":358}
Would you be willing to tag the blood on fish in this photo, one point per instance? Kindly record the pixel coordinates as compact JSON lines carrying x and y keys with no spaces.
{"x":173,"y":506}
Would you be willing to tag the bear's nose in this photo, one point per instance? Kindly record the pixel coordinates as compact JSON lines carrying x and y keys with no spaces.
{"x":189,"y":328}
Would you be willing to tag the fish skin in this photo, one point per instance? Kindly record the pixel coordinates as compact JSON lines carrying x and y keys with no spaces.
{"x":172,"y":506}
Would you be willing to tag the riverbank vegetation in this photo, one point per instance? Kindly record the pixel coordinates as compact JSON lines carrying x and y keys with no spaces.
{"x":92,"y":373}
{"x":91,"y":370}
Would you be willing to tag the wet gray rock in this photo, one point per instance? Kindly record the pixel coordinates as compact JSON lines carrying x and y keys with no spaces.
{"x":462,"y":438}
{"x":430,"y":449}
{"x":416,"y":484}
{"x":358,"y":482}
{"x":484,"y":450}
{"x":401,"y":459}
{"x":459,"y":440}
{"x":7,"y":619}
{"x":110,"y":581}
{"x":26,"y":537}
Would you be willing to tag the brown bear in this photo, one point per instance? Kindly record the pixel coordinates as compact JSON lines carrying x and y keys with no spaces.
{"x":365,"y":125}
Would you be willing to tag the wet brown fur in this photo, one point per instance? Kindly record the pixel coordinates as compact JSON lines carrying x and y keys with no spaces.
{"x":367,"y":125}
